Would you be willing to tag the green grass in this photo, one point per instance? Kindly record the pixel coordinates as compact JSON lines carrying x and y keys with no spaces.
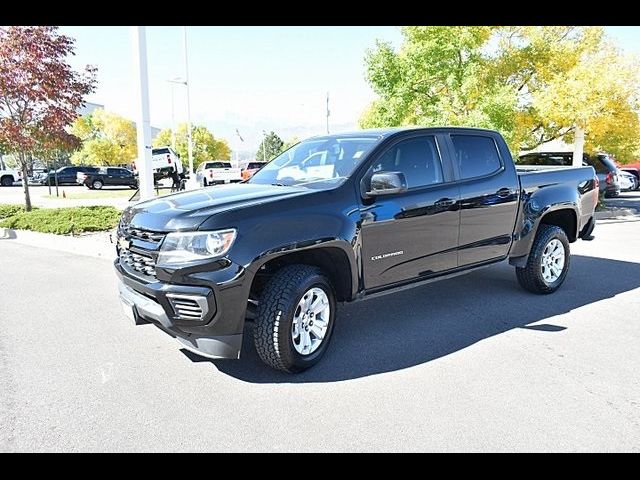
{"x":64,"y":220}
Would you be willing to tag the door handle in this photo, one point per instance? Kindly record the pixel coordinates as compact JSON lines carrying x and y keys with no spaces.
{"x":444,"y":202}
{"x":504,"y":192}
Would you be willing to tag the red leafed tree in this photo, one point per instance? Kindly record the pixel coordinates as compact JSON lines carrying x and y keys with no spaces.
{"x":40,"y":93}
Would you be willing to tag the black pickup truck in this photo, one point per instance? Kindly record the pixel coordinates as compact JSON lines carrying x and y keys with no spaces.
{"x":107,"y":176}
{"x":341,"y":218}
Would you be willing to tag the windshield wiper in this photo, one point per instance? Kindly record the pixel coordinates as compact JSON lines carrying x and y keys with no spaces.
{"x":280,"y":185}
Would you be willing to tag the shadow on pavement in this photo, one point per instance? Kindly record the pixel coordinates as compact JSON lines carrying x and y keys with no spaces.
{"x":425,"y":323}
{"x":629,"y":200}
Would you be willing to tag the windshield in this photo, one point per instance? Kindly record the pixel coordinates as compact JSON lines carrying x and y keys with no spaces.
{"x":317,"y":163}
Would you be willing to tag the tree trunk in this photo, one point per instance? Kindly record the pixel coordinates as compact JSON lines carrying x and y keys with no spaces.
{"x":25,"y":182}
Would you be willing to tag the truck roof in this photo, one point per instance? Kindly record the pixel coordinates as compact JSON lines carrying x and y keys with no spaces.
{"x":386,"y":132}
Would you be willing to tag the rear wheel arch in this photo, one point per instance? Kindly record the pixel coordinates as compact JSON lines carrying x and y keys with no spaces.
{"x":565,"y":218}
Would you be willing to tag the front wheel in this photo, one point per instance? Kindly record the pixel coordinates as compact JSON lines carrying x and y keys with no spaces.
{"x":295,"y":318}
{"x":548,"y":262}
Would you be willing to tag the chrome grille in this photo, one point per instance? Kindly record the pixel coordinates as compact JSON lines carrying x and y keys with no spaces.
{"x":146,"y":235}
{"x":188,"y":307}
{"x":144,"y":264}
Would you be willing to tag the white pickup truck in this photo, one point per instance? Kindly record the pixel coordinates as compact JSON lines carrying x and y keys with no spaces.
{"x":8,"y":176}
{"x":213,"y":173}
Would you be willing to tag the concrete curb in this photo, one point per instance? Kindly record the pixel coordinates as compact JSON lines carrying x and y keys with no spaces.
{"x":614,"y":213}
{"x":92,"y":245}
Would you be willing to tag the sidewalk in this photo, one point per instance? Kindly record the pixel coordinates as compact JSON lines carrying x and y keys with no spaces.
{"x":96,"y":244}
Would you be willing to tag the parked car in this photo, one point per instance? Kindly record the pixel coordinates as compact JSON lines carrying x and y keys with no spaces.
{"x":9,"y":176}
{"x":213,"y":173}
{"x":390,"y":209}
{"x":601,"y":162}
{"x":251,"y":169}
{"x":66,"y":175}
{"x":633,"y":169}
{"x":628,"y":181}
{"x":107,"y":176}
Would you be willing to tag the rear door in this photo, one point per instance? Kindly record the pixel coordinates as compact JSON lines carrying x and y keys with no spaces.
{"x":412,"y":234}
{"x":489,"y":191}
{"x":112,"y":176}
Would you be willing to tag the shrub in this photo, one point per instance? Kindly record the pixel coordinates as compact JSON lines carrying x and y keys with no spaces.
{"x":64,"y":220}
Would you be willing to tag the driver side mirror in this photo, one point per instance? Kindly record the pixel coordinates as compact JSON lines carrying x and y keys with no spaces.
{"x":387,"y":183}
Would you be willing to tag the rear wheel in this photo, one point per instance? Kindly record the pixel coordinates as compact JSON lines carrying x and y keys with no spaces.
{"x":6,"y":181}
{"x":295,"y":318}
{"x":97,"y":184}
{"x":548,"y":262}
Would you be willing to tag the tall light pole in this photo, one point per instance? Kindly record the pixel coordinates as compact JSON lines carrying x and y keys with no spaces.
{"x":143,"y":124}
{"x":192,"y":184}
{"x":173,"y":115}
{"x":174,"y":81}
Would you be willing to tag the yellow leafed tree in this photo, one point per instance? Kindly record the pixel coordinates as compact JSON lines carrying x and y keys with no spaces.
{"x":107,"y":139}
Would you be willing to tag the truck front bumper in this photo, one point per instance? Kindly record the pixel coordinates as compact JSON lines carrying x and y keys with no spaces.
{"x":151,"y":303}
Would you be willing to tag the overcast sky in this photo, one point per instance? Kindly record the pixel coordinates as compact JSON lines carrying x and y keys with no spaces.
{"x":250,"y":78}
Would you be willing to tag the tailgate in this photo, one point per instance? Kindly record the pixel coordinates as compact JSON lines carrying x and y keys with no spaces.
{"x":224,"y":174}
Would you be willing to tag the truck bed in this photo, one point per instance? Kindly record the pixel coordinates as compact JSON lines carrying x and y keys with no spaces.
{"x":536,"y":176}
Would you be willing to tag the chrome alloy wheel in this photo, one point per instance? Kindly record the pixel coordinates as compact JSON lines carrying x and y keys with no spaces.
{"x":552,"y":261}
{"x":310,"y":321}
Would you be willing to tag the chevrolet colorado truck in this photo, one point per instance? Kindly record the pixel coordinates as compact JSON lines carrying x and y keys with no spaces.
{"x":340,"y":218}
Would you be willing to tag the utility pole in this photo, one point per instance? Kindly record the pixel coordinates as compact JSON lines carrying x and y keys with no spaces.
{"x":328,"y":113}
{"x":143,"y":124}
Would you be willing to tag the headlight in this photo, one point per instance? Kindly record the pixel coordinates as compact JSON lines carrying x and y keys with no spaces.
{"x":183,"y":247}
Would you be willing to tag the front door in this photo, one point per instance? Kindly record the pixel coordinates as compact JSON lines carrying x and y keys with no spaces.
{"x":412,"y":234}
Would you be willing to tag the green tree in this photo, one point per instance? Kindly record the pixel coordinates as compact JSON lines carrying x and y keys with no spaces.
{"x":533,"y":84}
{"x":290,"y":143}
{"x":40,"y":92}
{"x":107,"y":139}
{"x":205,"y":145}
{"x":270,"y":147}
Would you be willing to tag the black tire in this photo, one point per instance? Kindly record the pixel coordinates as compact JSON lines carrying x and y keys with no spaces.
{"x":276,"y":309}
{"x":97,"y":184}
{"x":204,"y":182}
{"x":6,"y":181}
{"x":530,"y":277}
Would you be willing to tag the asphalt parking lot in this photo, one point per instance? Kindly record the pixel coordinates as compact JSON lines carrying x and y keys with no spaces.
{"x":472,"y":363}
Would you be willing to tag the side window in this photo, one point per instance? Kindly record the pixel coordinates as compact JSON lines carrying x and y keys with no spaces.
{"x":113,"y":171}
{"x":477,"y":156}
{"x":417,"y":158}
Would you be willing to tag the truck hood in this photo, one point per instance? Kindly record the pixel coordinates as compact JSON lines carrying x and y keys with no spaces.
{"x":187,"y":210}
